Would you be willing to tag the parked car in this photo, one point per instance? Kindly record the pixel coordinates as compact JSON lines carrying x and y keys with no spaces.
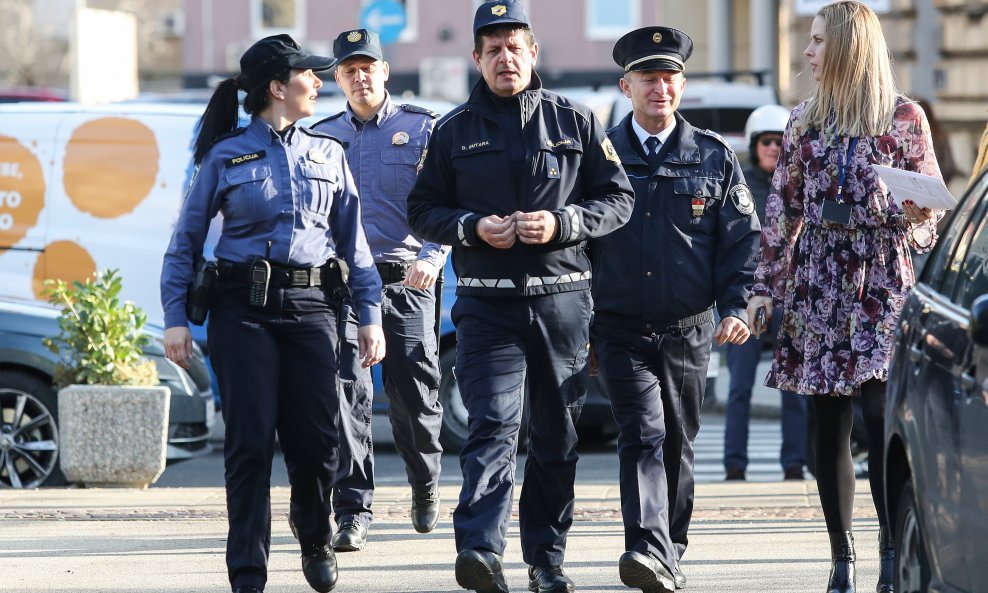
{"x":29,"y":444}
{"x":936,"y":434}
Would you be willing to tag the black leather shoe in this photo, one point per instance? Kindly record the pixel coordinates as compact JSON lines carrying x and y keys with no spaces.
{"x":319,"y":568}
{"x":480,"y":571}
{"x":425,"y":509}
{"x":793,"y":473}
{"x":842,"y":577}
{"x":248,"y":590}
{"x":886,"y":561}
{"x":645,"y":572}
{"x":351,"y":537}
{"x":549,"y":579}
{"x":678,"y":576}
{"x":734,"y":473}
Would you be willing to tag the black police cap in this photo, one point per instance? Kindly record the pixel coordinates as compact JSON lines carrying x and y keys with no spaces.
{"x":359,"y":42}
{"x":272,"y":57}
{"x":653,"y":48}
{"x":500,"y":12}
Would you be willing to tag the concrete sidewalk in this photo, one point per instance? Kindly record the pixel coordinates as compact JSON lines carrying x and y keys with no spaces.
{"x":769,"y":536}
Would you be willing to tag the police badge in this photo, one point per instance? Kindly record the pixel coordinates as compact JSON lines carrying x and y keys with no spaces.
{"x":741,"y":198}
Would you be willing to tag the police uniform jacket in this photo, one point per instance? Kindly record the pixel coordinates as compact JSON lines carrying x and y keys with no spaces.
{"x":383,"y":154}
{"x":295,"y":191}
{"x":571,"y":170}
{"x":692,"y":239}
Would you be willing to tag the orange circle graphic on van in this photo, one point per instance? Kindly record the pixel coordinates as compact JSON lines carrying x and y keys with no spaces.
{"x":22,"y":191}
{"x":62,"y":260}
{"x":111,"y":165}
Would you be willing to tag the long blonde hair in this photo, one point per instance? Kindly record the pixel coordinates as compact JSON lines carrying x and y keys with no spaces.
{"x":856,"y":94}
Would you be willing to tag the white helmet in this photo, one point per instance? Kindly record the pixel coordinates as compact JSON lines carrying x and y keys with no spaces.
{"x":767,"y":118}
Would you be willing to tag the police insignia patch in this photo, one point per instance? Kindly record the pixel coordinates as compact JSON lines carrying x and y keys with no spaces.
{"x":354,"y":36}
{"x":657,"y":38}
{"x":317,"y":156}
{"x":741,"y":198}
{"x":399,"y":138}
{"x":499,"y":10}
{"x":609,"y":152}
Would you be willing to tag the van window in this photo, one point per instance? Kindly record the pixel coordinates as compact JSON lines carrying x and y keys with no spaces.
{"x":723,"y":120}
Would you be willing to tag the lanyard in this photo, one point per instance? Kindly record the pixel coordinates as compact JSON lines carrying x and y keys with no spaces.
{"x":842,"y":169}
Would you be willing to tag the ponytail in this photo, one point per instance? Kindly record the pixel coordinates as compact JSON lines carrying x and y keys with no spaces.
{"x":221,"y":116}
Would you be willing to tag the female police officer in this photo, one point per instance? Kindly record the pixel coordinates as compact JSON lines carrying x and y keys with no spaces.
{"x":289,"y":207}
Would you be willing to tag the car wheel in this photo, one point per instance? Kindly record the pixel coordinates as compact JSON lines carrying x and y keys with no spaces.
{"x":454,"y":430}
{"x":456,"y":427}
{"x":28,"y":432}
{"x":912,"y":567}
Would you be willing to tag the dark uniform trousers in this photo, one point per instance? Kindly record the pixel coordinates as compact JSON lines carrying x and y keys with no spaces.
{"x":498,"y":342}
{"x":411,"y":382}
{"x":277,"y":370}
{"x":655,"y":382}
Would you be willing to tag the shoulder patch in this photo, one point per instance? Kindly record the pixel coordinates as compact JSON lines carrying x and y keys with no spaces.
{"x":230,"y":134}
{"x":416,"y":109}
{"x":328,"y":119}
{"x":244,"y":158}
{"x":742,"y":200}
{"x":609,"y":152}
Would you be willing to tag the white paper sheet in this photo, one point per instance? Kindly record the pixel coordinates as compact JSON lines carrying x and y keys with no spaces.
{"x":923,"y":190}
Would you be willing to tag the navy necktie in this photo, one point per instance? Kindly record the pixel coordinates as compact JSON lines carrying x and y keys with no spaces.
{"x":652,"y":147}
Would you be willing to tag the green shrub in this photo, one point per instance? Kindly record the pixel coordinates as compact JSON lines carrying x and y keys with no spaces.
{"x":101,"y":340}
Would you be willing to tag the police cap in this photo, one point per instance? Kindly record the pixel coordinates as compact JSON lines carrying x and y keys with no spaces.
{"x":274,"y":56}
{"x":359,"y":42}
{"x":500,"y":12}
{"x":653,"y":48}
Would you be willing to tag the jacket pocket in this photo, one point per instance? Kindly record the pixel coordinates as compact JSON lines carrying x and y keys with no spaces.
{"x":322,"y":181}
{"x":696,"y":203}
{"x":398,"y":169}
{"x":250,"y":191}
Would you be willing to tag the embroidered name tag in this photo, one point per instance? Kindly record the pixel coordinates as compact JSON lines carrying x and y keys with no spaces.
{"x":475,"y":145}
{"x":244,"y":158}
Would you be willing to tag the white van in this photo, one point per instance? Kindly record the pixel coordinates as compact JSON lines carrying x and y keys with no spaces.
{"x":84,"y":188}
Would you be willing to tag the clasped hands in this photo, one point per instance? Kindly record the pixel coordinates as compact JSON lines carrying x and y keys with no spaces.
{"x":533,"y":228}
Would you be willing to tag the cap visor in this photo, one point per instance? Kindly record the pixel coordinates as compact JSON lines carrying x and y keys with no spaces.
{"x":315,"y":63}
{"x":501,"y":21}
{"x":360,"y":52}
{"x":658,"y":64}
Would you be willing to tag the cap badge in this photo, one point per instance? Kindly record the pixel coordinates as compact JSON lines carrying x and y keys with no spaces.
{"x":354,"y":36}
{"x":317,"y":156}
{"x":499,"y":10}
{"x":657,"y":37}
{"x":399,"y":138}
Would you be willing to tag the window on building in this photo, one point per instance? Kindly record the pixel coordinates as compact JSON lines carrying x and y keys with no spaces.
{"x":410,"y":33}
{"x":610,"y":19}
{"x":272,"y":17}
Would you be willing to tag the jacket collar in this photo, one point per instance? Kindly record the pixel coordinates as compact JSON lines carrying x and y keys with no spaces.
{"x":263,"y":132}
{"x":685,"y":152}
{"x":528,"y":98}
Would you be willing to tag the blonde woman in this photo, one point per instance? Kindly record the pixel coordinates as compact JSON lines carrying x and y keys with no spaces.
{"x":835,"y":256}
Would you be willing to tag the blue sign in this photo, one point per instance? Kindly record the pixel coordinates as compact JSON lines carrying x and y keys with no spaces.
{"x":386,"y":17}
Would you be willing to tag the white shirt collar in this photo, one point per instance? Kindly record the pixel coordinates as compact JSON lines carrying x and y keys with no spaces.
{"x":644,"y":135}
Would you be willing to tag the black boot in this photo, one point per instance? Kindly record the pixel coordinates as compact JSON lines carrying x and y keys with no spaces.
{"x":842,"y":572}
{"x":886,"y":561}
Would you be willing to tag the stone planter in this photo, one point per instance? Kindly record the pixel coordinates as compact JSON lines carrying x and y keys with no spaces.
{"x":113,"y":435}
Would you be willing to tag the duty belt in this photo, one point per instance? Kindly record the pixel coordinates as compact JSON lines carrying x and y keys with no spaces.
{"x":393,"y":272}
{"x":659,"y":326}
{"x":284,"y":275}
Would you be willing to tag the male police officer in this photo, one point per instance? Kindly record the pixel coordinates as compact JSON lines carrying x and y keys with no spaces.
{"x":692,"y":241}
{"x":517,"y":179}
{"x":384,"y":142}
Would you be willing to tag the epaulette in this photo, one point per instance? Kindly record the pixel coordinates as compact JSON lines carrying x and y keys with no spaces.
{"x":416,"y":109}
{"x":328,"y":119}
{"x":318,"y":134}
{"x":230,"y":134}
{"x":715,"y":136}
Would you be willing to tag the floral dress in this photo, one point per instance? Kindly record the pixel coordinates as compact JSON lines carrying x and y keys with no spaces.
{"x":842,"y":288}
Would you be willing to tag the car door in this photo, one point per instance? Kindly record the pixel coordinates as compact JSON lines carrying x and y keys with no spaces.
{"x":936,"y":342}
{"x":972,"y":379}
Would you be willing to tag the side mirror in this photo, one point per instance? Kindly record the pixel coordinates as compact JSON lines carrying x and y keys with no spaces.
{"x":978,"y":323}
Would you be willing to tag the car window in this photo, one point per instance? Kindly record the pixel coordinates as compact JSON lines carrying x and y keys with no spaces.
{"x":943,"y":268}
{"x":972,"y":280}
{"x":723,"y":120}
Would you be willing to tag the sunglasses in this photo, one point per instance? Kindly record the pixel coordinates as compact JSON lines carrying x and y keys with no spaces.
{"x":767,"y":140}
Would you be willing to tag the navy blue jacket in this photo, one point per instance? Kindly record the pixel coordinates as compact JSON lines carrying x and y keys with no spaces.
{"x":689,"y":243}
{"x":573,"y":172}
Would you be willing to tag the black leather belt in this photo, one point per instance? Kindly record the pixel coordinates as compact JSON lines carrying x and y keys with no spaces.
{"x":281,"y":275}
{"x":660,"y":326}
{"x":393,"y":272}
